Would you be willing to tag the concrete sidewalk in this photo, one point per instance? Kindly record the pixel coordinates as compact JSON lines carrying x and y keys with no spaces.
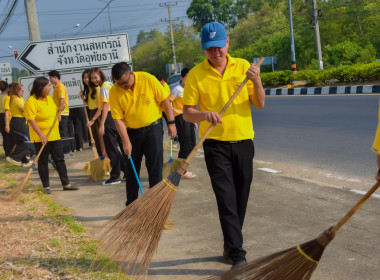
{"x":282,"y":212}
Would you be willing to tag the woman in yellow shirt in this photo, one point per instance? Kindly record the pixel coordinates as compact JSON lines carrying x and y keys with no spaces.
{"x":40,"y":112}
{"x":91,"y":96}
{"x":7,"y":138}
{"x":20,"y":155}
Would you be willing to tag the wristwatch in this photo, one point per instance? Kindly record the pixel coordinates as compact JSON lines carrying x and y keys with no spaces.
{"x":171,"y":122}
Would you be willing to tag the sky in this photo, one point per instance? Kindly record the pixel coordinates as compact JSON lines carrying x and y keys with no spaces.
{"x":60,"y":19}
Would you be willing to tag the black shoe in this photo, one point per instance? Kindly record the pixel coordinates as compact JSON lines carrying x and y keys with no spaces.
{"x":111,"y":182}
{"x":239,"y":263}
{"x":47,"y":191}
{"x":227,"y":259}
{"x":71,"y":188}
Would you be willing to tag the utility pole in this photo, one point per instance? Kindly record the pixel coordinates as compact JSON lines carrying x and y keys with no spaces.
{"x":31,"y":15}
{"x":292,"y":50}
{"x":171,"y":31}
{"x":317,"y":37}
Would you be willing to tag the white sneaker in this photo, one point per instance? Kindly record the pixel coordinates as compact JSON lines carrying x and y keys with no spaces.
{"x":14,"y":162}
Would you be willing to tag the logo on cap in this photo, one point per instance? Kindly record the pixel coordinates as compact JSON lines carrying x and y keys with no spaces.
{"x":212,"y":34}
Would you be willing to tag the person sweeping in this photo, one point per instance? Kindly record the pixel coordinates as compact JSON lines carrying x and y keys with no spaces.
{"x":40,"y":112}
{"x":376,"y":147}
{"x":229,"y":148}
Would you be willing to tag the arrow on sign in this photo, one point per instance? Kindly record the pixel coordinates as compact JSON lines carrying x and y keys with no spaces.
{"x":23,"y":58}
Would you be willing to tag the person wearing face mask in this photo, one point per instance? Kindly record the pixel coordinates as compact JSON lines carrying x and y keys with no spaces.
{"x":229,"y":148}
{"x":135,"y":101}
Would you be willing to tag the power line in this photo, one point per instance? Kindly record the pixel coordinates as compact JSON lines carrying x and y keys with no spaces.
{"x":9,"y":15}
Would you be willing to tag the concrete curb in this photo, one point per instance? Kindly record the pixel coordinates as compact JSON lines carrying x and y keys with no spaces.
{"x":367,"y":89}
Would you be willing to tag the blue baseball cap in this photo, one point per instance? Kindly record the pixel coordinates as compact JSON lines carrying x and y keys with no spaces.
{"x":213,"y":34}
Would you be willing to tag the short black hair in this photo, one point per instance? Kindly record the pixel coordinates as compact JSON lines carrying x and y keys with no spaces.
{"x":3,"y":86}
{"x":185,"y":71}
{"x":54,"y":73}
{"x":119,"y":69}
{"x":160,"y":77}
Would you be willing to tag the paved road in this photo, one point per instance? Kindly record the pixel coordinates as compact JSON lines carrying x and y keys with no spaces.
{"x":329,"y":133}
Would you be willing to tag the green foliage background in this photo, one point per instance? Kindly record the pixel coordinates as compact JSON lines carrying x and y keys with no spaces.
{"x":349,"y":30}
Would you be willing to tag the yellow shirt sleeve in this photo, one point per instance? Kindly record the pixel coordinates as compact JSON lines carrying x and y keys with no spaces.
{"x":6,"y":103}
{"x":376,"y":143}
{"x":160,"y":93}
{"x":116,"y":111}
{"x":191,"y":92}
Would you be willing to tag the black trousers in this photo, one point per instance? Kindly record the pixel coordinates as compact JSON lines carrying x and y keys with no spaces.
{"x":146,"y":142}
{"x":77,"y":118}
{"x":95,"y":132}
{"x":7,"y":137}
{"x":53,"y":148}
{"x":186,"y":136}
{"x":63,"y":131}
{"x":19,"y":125}
{"x":230,"y":166}
{"x":112,"y":140}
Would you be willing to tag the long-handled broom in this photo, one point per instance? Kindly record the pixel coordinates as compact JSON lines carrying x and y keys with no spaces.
{"x":22,"y":184}
{"x":132,"y":235}
{"x":295,"y":263}
{"x":98,"y":167}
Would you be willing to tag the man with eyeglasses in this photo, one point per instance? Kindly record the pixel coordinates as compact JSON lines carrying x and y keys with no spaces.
{"x":135,"y":100}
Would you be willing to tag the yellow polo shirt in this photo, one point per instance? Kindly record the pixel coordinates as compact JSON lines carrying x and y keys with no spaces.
{"x":93,"y":103}
{"x":16,"y":105}
{"x":3,"y":96}
{"x":376,"y":143}
{"x":167,"y":88}
{"x":141,"y":106}
{"x":6,"y":106}
{"x":44,"y":113}
{"x":105,"y":94}
{"x":58,"y":93}
{"x":176,"y":98}
{"x":208,"y":89}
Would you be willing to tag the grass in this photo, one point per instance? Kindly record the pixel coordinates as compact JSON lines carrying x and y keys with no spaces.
{"x":39,"y":239}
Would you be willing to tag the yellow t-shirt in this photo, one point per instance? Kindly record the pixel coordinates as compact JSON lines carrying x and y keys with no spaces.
{"x":376,"y":143}
{"x":166,"y":88}
{"x":105,"y":94}
{"x":176,"y":98}
{"x":141,"y":106}
{"x":15,"y":106}
{"x":93,"y":103}
{"x":44,"y":113}
{"x":58,"y":93}
{"x":3,"y":96}
{"x":208,"y":89}
{"x":6,"y":106}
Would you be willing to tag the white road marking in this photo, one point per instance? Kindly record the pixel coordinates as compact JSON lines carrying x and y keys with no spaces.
{"x":363,"y":192}
{"x":269,"y":170}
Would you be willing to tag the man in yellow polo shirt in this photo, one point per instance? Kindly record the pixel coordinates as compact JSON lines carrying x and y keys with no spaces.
{"x":135,"y":107}
{"x":229,"y":148}
{"x":61,"y":101}
{"x":376,"y":147}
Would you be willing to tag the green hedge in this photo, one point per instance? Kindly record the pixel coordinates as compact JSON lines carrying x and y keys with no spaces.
{"x":350,"y":73}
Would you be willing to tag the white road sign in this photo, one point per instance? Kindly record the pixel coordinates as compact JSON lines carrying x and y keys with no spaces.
{"x":78,"y":53}
{"x":71,"y":80}
{"x":5,"y":69}
{"x":7,"y":78}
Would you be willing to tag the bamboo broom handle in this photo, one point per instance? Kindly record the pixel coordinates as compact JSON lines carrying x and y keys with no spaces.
{"x":85,"y":112}
{"x":198,"y":145}
{"x":355,"y":208}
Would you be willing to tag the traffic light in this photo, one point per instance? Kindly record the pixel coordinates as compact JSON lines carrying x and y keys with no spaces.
{"x":15,"y":53}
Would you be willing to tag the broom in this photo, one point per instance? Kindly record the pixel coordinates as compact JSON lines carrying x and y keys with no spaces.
{"x":132,"y":235}
{"x":98,"y":167}
{"x":22,"y":184}
{"x":172,"y":164}
{"x":295,"y":263}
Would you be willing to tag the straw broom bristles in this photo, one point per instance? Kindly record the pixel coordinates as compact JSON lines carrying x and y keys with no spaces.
{"x":132,"y":236}
{"x":139,"y":226}
{"x":296,"y":263}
